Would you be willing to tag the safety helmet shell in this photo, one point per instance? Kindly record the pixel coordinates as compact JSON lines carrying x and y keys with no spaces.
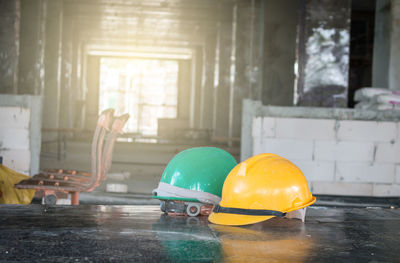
{"x":200,"y":169}
{"x":262,"y":182}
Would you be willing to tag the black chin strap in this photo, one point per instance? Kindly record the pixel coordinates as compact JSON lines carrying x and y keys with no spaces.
{"x":250,"y":212}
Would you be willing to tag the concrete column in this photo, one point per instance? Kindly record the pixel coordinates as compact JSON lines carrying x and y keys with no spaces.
{"x":323,"y":53}
{"x":66,"y":102}
{"x":184,"y":80}
{"x":207,"y":98}
{"x":93,"y":86}
{"x":32,"y":43}
{"x":9,"y":45}
{"x":223,"y":77}
{"x":280,"y":25}
{"x":76,"y":89}
{"x":380,"y":66}
{"x":394,"y":65}
{"x":52,"y":63}
{"x":197,"y":67}
{"x":246,"y":60}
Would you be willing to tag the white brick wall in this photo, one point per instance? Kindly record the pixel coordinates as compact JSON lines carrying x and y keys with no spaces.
{"x":314,"y":171}
{"x":312,"y":129}
{"x":263,"y":127}
{"x":386,"y":190}
{"x":397,"y":174}
{"x":14,"y":117}
{"x":348,"y":157}
{"x":14,"y":138}
{"x":344,"y":151}
{"x":388,"y":152}
{"x":17,"y":159}
{"x":291,"y":149}
{"x":367,"y":131}
{"x":365,"y":172}
{"x":256,"y":127}
{"x":11,"y":138}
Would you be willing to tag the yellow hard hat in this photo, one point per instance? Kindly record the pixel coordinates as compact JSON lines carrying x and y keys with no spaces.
{"x":259,"y":188}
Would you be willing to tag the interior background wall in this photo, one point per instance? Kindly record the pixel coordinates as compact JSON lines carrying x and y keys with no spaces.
{"x":340,"y":151}
{"x":238,"y":49}
{"x":381,"y":44}
{"x":281,"y":19}
{"x":10,"y":14}
{"x":323,"y":53}
{"x":20,"y":132}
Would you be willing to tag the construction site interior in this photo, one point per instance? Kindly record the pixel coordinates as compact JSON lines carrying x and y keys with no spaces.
{"x":101,"y":99}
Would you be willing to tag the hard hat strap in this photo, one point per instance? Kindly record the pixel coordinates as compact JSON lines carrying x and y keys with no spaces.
{"x":250,"y":212}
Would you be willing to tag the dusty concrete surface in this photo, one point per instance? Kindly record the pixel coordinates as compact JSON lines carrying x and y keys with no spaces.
{"x":143,"y":234}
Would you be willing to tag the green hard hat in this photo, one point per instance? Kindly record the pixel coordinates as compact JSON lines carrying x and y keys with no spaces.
{"x":200,"y":170}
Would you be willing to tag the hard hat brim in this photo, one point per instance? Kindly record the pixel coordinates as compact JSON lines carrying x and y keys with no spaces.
{"x":235,"y":219}
{"x":241,"y":220}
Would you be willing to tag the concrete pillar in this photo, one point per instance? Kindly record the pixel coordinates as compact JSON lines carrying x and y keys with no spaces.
{"x":323,"y":53}
{"x":223,"y":77}
{"x":93,"y":86}
{"x":52,"y":63}
{"x":66,"y":102}
{"x":195,"y":101}
{"x":76,"y":88}
{"x":394,"y":65}
{"x":9,"y":45}
{"x":32,"y":43}
{"x":380,"y":66}
{"x":184,"y":80}
{"x":246,"y":60}
{"x":207,"y":98}
{"x":280,"y":25}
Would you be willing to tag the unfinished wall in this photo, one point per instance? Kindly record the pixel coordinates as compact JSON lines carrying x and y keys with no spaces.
{"x":9,"y":45}
{"x":223,"y":78}
{"x":227,"y":39}
{"x":394,"y":64}
{"x":52,"y":63}
{"x":380,"y":67}
{"x":342,"y":152}
{"x":144,"y":162}
{"x":281,"y":18}
{"x":20,"y":136}
{"x":323,"y":53}
{"x":32,"y":42}
{"x":14,"y":138}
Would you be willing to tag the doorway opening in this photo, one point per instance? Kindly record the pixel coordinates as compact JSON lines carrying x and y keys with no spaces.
{"x":147,"y":89}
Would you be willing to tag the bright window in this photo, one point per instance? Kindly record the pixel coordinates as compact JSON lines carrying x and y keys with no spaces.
{"x":144,"y":88}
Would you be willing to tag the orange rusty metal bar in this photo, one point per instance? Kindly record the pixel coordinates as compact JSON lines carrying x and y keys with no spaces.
{"x":103,"y":125}
{"x":116,"y":130}
{"x":56,"y":181}
{"x":75,"y":198}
